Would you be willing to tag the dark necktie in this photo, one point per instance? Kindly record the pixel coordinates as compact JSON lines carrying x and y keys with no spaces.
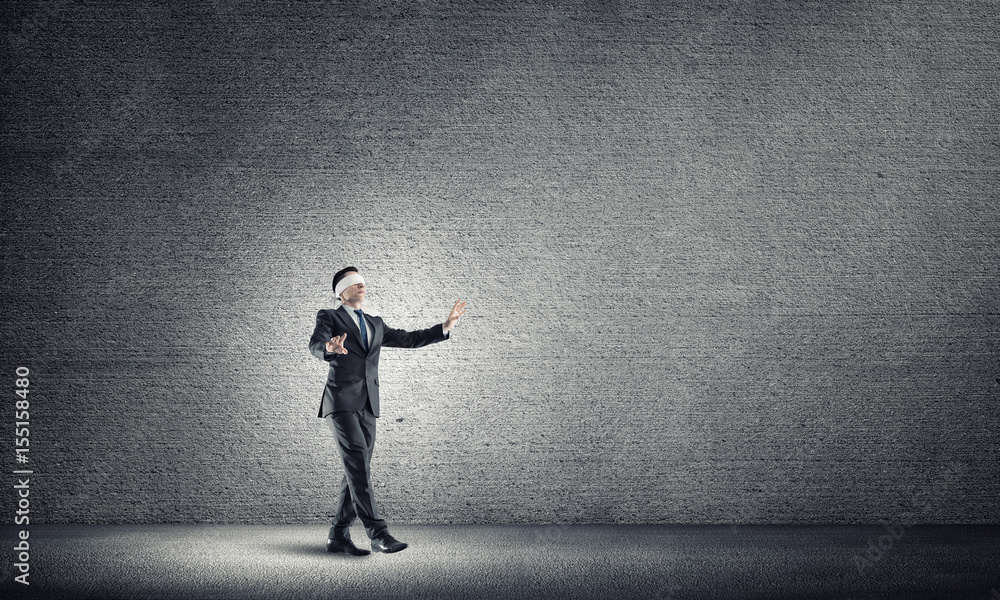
{"x":361,"y":325}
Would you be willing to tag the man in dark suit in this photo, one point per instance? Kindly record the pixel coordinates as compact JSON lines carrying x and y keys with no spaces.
{"x":351,"y":340}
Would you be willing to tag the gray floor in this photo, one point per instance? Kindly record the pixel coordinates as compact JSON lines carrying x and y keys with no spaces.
{"x":530,"y":561}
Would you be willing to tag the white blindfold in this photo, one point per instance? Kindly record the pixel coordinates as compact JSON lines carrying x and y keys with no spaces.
{"x":347,"y":282}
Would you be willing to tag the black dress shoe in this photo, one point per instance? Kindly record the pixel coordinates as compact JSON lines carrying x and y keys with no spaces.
{"x":346,"y":546}
{"x":384,"y":542}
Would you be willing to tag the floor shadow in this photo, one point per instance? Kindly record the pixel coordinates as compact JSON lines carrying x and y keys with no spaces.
{"x":314,"y":550}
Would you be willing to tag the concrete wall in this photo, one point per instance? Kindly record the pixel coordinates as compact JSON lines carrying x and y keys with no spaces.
{"x":724,"y":262}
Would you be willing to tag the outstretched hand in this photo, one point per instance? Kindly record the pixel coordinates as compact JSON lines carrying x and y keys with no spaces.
{"x":456,"y":313}
{"x":336,"y":344}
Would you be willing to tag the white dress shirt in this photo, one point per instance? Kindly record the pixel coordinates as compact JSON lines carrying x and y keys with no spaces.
{"x":353,"y":316}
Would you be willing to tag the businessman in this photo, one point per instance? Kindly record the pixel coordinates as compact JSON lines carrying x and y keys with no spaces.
{"x":351,"y":340}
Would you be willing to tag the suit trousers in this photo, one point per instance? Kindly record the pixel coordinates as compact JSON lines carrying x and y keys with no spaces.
{"x":355,"y":435}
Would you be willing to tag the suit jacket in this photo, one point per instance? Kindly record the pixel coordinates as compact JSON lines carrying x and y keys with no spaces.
{"x":353,"y":377}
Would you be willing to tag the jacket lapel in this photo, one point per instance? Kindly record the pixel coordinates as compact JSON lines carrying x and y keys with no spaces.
{"x":377,"y":332}
{"x":350,"y":323}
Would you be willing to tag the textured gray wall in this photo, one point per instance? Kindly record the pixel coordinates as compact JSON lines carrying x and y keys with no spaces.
{"x":725,"y":262}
